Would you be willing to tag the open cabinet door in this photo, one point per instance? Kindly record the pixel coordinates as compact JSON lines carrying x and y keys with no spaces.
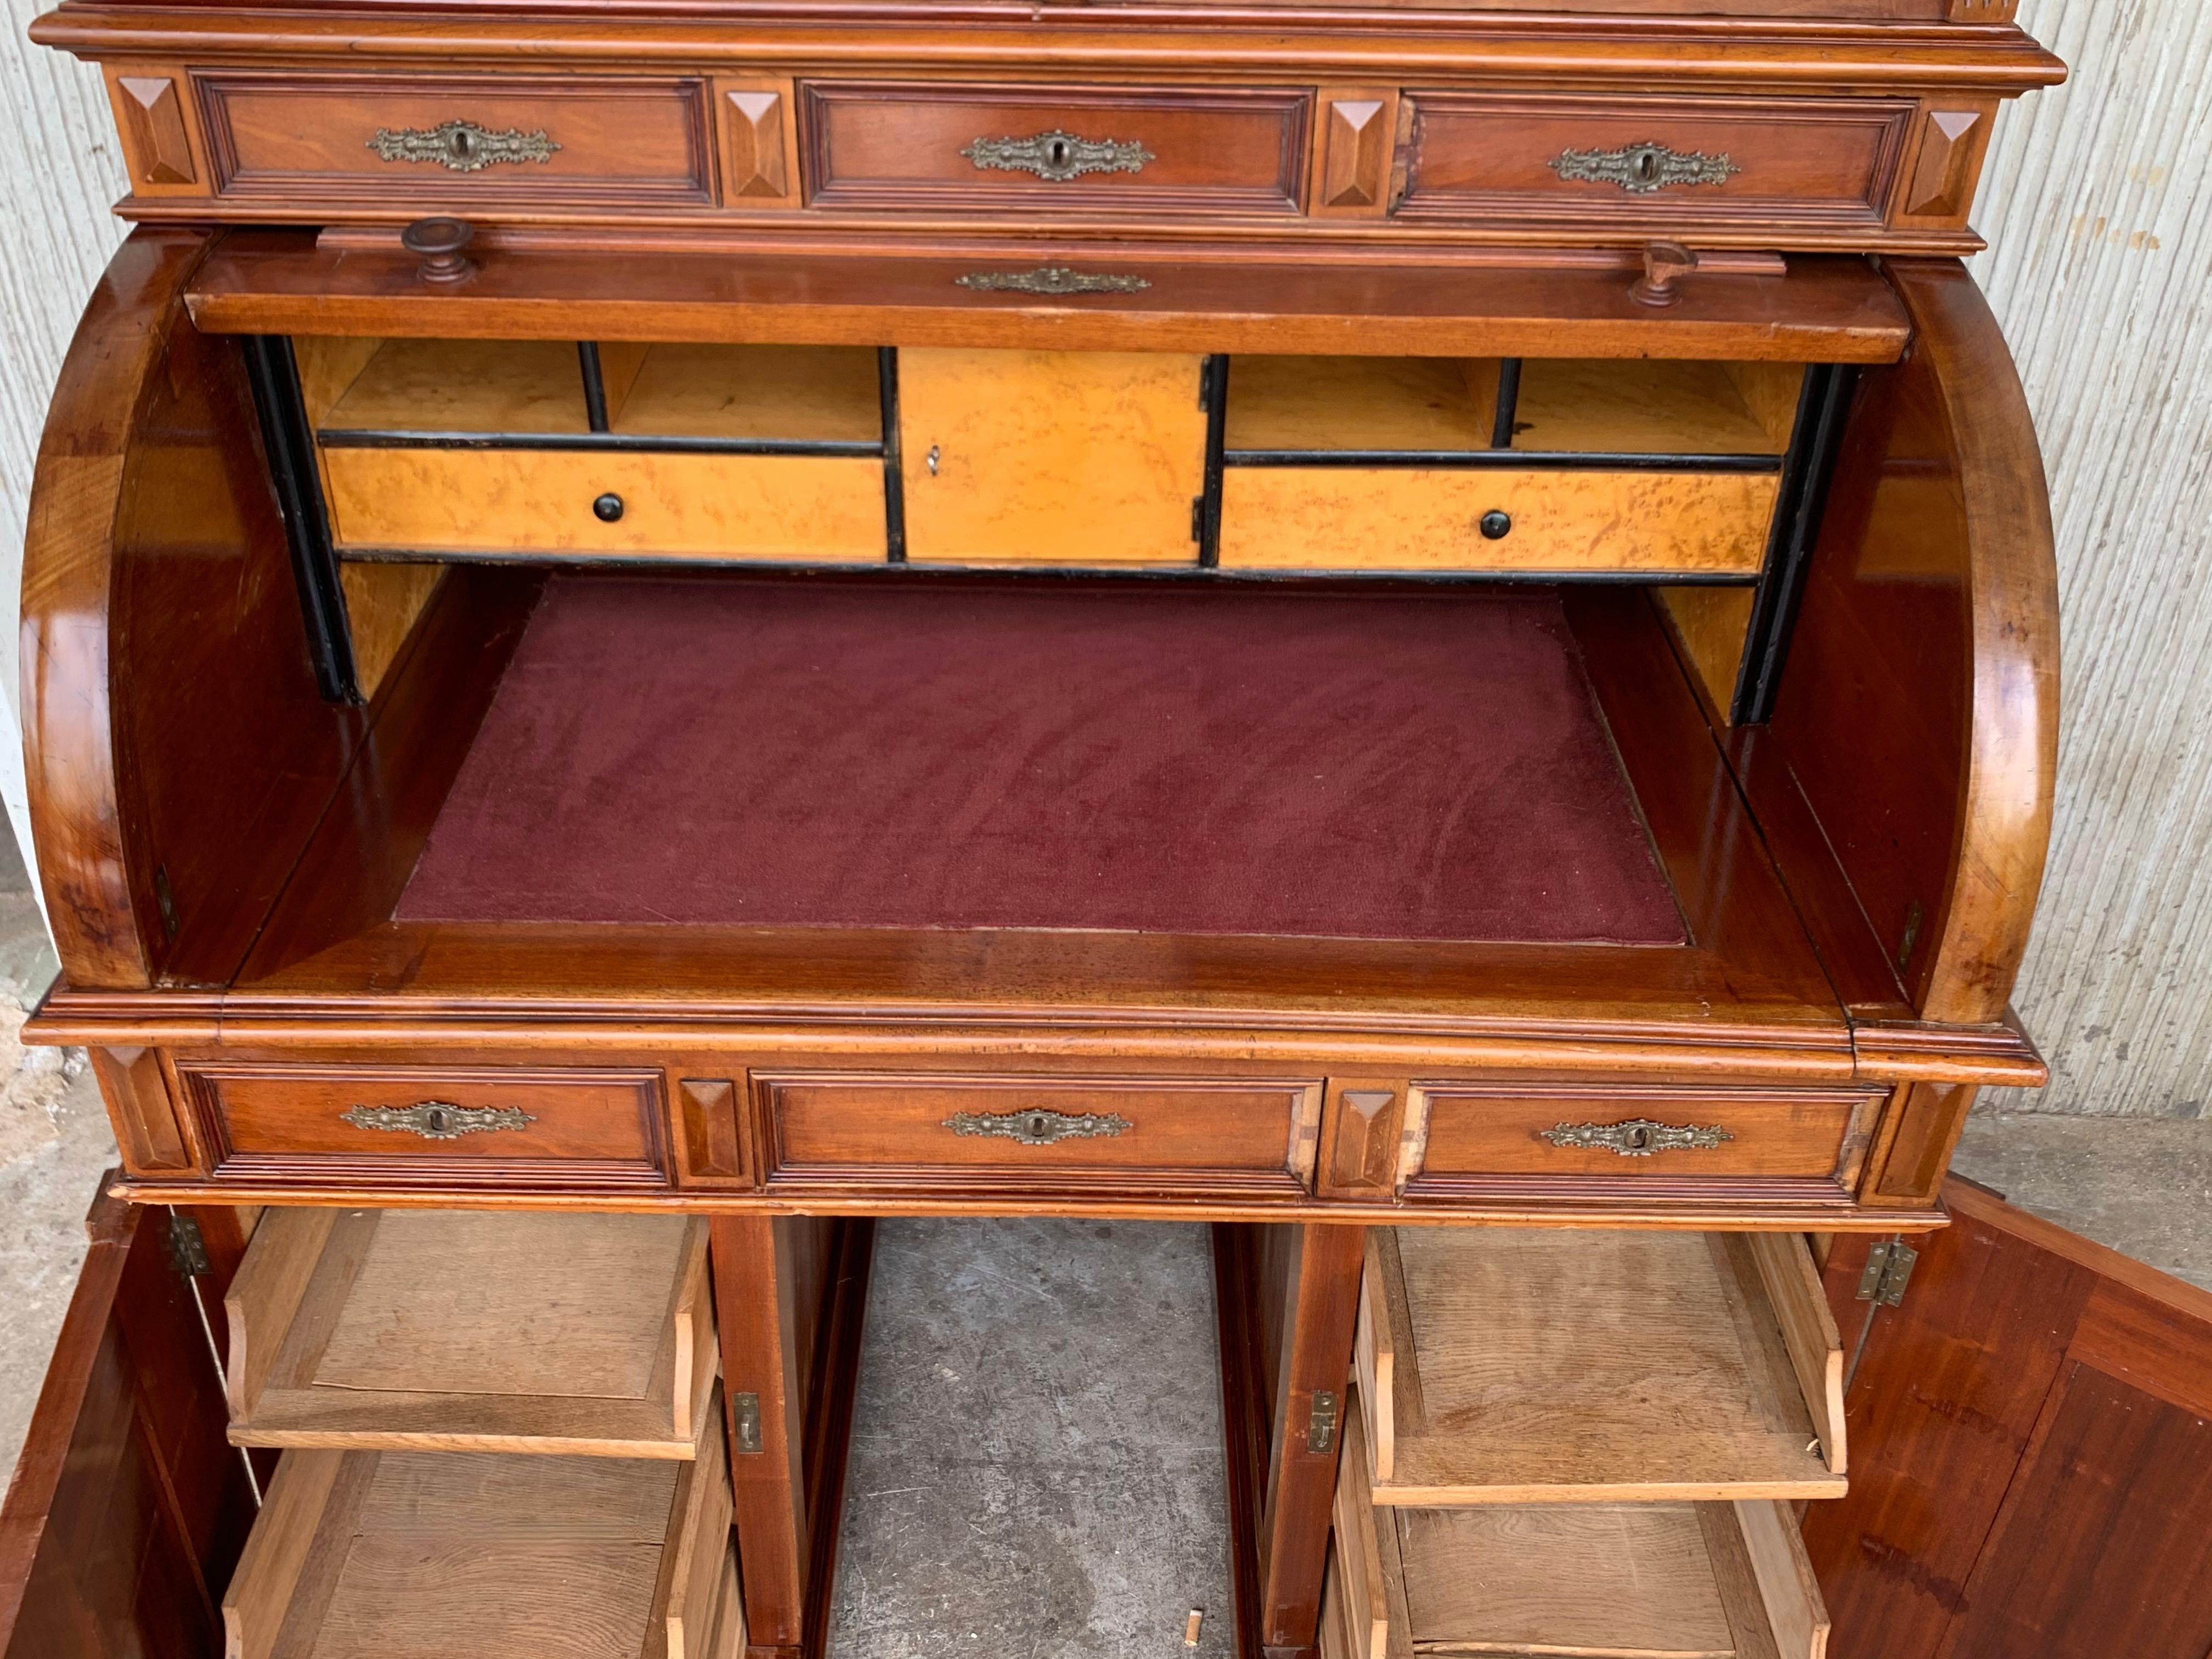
{"x":2032,"y":1457}
{"x":129,"y":1508}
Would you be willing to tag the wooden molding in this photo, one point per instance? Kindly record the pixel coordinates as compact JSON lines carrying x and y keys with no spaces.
{"x":757,"y":141}
{"x":1940,"y":182}
{"x":1353,"y":146}
{"x":157,"y":142}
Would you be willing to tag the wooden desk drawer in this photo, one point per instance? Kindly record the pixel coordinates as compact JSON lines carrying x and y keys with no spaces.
{"x":1719,"y":1580}
{"x":403,"y":1126}
{"x":468,"y":1330}
{"x":460,"y":142}
{"x":1363,"y":517}
{"x":1704,"y":163}
{"x":1465,"y":1139}
{"x":489,"y":1554}
{"x":1040,"y":1133}
{"x":1049,"y":150}
{"x":1554,"y":1365}
{"x":803,"y":509}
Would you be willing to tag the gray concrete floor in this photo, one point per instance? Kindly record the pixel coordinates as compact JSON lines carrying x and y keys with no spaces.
{"x":1038,"y":1469}
{"x":1037,"y":1465}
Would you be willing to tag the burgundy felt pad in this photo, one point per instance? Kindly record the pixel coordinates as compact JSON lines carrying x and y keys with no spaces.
{"x":894,"y":754}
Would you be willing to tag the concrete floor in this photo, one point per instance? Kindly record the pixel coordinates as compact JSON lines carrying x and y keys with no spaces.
{"x":1037,"y":1468}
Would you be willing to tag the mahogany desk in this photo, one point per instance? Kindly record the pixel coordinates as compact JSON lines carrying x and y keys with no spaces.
{"x":1427,"y":636}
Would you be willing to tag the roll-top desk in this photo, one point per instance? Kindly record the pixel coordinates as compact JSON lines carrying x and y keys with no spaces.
{"x":1427,"y":635}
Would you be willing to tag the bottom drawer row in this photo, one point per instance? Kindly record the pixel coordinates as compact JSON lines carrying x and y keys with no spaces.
{"x":1661,"y":1580}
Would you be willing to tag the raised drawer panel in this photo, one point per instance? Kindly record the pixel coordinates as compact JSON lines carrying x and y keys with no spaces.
{"x":453,"y":141}
{"x":1477,"y":1140}
{"x":403,"y":1126}
{"x":1042,"y":1134}
{"x":1551,"y":1365}
{"x":1355,"y":518}
{"x":913,"y":147}
{"x":804,"y":508}
{"x":1683,"y":163}
{"x":464,"y":1330}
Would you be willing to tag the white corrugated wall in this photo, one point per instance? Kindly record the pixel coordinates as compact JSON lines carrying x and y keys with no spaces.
{"x":2099,"y":212}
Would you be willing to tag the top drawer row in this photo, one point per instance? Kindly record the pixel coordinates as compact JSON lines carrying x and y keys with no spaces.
{"x":1816,"y":172}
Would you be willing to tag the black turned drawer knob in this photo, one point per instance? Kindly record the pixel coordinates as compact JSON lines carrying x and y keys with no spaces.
{"x":1496,"y":526}
{"x":608,"y":507}
{"x":440,"y":244}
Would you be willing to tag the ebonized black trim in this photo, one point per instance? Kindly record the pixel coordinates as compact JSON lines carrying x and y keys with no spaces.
{"x":1816,"y":442}
{"x":595,"y":385}
{"x":625,"y":442}
{"x":894,"y":476}
{"x":1515,"y":460}
{"x":1180,"y":573}
{"x":273,"y":373}
{"x":1213,"y":398}
{"x":1509,"y":403}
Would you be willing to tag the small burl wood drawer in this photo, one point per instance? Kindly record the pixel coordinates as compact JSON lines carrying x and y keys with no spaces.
{"x":928,"y":147}
{"x":1480,"y":1140}
{"x":1016,"y":1134}
{"x":430,"y":1127}
{"x":807,"y":509}
{"x":1419,"y":519}
{"x":439,"y":141}
{"x":1803,"y":164}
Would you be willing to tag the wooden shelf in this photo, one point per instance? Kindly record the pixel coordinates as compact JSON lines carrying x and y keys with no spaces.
{"x":1608,"y":1580}
{"x":809,"y":394}
{"x":454,"y":1330}
{"x":1627,"y":406}
{"x":1521,"y":1366}
{"x":1360,"y":402}
{"x":489,"y":1556}
{"x":448,"y":385}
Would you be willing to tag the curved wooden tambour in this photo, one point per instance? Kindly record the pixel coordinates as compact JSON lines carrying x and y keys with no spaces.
{"x":176,"y":749}
{"x":1918,"y":716}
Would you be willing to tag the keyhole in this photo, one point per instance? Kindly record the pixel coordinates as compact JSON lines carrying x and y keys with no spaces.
{"x":438,"y":1120}
{"x":930,"y":460}
{"x":1639,"y":1139}
{"x":1036,"y":1127}
{"x":1057,"y":152}
{"x":464,"y":142}
{"x":1647,"y":166}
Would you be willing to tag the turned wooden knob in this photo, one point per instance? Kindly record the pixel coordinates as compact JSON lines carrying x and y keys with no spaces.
{"x":439,"y":242}
{"x":1665,"y":264}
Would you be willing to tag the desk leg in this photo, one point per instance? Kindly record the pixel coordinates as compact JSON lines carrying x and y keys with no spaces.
{"x":790,"y":1295}
{"x":1289,"y":1299}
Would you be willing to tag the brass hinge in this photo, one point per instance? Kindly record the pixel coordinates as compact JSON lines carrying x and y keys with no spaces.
{"x":188,"y":1247}
{"x":745,"y":1407}
{"x":1321,"y":1427}
{"x":1888,"y":1271}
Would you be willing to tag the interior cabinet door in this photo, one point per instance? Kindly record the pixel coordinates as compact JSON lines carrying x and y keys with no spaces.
{"x":2032,"y":1451}
{"x":129,"y":1508}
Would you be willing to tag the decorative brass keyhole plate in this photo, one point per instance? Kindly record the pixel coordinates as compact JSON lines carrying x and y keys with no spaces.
{"x":437,"y":1120}
{"x":1057,"y":156}
{"x":1638,"y":1137}
{"x":1643,"y":170}
{"x":1039,"y":1127}
{"x":462,"y":146}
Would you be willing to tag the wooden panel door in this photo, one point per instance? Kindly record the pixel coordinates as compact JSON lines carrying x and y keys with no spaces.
{"x":129,"y":1508}
{"x":2032,"y":1432}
